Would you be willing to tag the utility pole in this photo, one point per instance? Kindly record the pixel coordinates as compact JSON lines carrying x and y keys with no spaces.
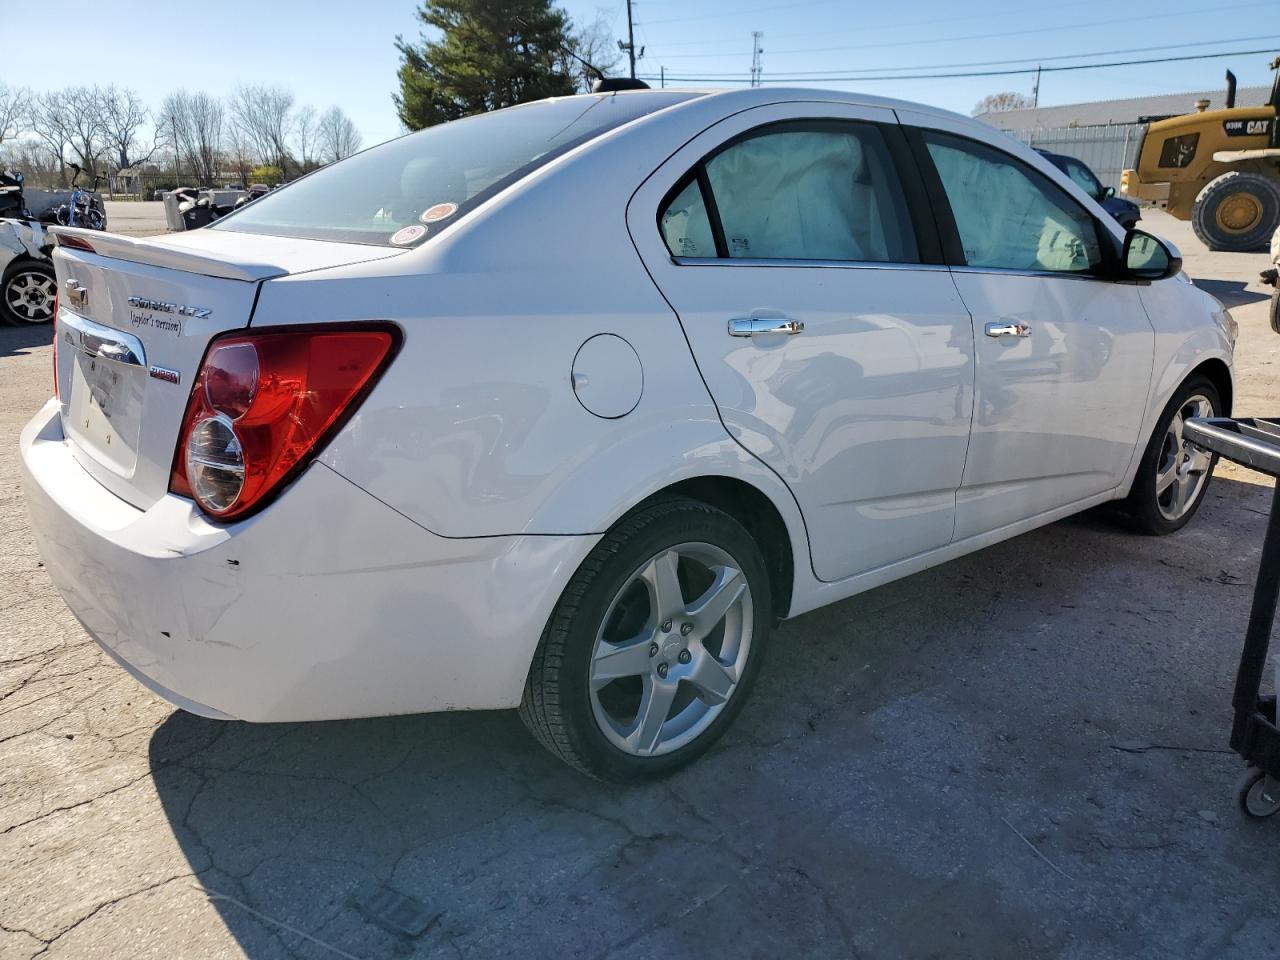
{"x":757,"y":68}
{"x":1035,"y":91}
{"x":631,"y":41}
{"x":663,"y":79}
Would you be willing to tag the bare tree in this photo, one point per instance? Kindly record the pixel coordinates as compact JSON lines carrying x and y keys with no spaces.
{"x":123,"y":118}
{"x":239,"y":153}
{"x":195,"y":121}
{"x":34,"y":160}
{"x":263,"y":114}
{"x":86,"y":133}
{"x":593,"y":43}
{"x":337,"y":136}
{"x":304,"y":134}
{"x":13,"y":108}
{"x":998,"y":102}
{"x":46,"y":118}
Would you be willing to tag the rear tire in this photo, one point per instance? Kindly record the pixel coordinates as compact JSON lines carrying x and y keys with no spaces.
{"x":1236,"y":212}
{"x":1275,"y":311}
{"x":1173,"y":476}
{"x":622,"y":686}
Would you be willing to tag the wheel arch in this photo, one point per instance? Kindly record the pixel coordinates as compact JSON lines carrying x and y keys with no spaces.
{"x":25,"y":258}
{"x":752,"y":508}
{"x":1219,"y":374}
{"x":1182,"y":367}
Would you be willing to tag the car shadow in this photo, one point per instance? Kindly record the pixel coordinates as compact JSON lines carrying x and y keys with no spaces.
{"x":1232,"y":293}
{"x":15,"y":340}
{"x":507,"y":851}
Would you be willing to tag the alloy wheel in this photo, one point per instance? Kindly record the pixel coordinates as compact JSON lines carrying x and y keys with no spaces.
{"x":29,"y":295}
{"x":671,"y":649}
{"x":1184,"y":467}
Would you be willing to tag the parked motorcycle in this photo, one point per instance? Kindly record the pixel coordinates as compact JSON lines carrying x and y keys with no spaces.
{"x":20,"y":202}
{"x":84,"y":209}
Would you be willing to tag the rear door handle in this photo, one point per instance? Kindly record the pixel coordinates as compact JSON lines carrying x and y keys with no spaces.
{"x":748,"y":326}
{"x":1008,"y":329}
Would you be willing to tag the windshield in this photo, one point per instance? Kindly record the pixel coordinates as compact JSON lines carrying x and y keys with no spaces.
{"x":405,"y":189}
{"x":1084,"y":178}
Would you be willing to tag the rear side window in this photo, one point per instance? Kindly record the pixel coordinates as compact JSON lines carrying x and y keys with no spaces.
{"x":445,"y":169}
{"x":1008,"y":215}
{"x":794,"y":191}
{"x":686,"y":227}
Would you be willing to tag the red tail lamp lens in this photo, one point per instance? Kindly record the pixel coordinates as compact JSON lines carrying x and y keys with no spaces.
{"x":262,"y":406}
{"x":75,"y":243}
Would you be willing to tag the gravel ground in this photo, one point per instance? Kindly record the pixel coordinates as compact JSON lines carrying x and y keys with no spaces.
{"x":1020,"y":754}
{"x":136,"y":218}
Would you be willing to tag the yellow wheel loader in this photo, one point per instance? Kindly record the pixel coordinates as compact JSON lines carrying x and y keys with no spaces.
{"x":1220,"y":169}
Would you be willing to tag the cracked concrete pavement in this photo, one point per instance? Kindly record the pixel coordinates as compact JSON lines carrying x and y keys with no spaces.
{"x":1019,"y":754}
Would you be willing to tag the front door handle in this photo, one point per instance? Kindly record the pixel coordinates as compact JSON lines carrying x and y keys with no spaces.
{"x":748,"y":326}
{"x":1014,"y":329}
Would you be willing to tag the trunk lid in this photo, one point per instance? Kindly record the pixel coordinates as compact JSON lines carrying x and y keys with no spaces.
{"x":134,"y":320}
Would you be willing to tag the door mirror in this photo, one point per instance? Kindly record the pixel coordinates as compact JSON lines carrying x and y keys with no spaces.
{"x":1149,"y":258}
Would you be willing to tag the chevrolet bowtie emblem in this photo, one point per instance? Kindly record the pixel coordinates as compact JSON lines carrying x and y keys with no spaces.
{"x":77,"y":294}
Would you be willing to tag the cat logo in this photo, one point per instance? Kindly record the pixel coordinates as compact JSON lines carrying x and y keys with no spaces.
{"x":1246,"y":128}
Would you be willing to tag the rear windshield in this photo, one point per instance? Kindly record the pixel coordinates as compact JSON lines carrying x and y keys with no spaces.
{"x":429,"y":178}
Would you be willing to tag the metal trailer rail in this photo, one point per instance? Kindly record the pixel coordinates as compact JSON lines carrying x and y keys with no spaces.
{"x":1254,"y":443}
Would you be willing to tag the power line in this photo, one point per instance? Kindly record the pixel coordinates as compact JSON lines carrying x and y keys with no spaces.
{"x":914,"y":42}
{"x":819,"y":74}
{"x":720,"y":16}
{"x":900,"y":25}
{"x":990,"y":73}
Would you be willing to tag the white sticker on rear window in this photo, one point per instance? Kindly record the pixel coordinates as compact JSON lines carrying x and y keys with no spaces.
{"x":408,"y":234}
{"x":440,"y":211}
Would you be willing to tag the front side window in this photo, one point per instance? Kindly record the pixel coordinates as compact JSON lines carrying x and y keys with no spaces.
{"x":1009,"y":216}
{"x":795,"y":191}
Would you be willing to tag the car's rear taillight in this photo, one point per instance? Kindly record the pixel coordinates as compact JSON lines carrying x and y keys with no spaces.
{"x":263,"y":405}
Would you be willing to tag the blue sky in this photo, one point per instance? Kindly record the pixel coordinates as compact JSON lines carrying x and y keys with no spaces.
{"x":332,"y":52}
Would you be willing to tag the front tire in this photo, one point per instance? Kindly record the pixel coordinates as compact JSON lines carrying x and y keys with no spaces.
{"x":1174,"y":474}
{"x":27,"y":293}
{"x":654,"y":644}
{"x":1237,"y":211}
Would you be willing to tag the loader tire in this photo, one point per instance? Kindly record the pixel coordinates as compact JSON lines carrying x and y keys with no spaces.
{"x":1238,"y":211}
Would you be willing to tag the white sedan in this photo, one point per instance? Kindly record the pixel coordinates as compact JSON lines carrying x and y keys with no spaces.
{"x":562,"y":407}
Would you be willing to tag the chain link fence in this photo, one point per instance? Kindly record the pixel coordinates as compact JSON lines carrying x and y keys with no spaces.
{"x":1107,"y":150}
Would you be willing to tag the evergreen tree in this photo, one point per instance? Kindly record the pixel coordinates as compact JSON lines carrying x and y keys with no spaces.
{"x":492,"y":54}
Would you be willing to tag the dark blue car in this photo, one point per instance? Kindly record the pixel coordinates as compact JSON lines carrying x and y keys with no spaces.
{"x":1126,"y":212}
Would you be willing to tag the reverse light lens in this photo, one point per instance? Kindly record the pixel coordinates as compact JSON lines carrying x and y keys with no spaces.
{"x":263,"y":405}
{"x":215,"y":464}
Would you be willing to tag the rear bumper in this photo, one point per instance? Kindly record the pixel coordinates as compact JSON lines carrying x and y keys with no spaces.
{"x":326,"y":605}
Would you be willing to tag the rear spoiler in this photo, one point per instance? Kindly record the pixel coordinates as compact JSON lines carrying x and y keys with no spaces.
{"x":159,"y":254}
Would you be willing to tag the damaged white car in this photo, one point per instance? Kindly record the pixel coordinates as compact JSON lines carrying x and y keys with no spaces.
{"x":561,"y":407}
{"x":27,"y":285}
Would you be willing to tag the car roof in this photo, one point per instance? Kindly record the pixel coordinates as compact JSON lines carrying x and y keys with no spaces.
{"x":739,"y":99}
